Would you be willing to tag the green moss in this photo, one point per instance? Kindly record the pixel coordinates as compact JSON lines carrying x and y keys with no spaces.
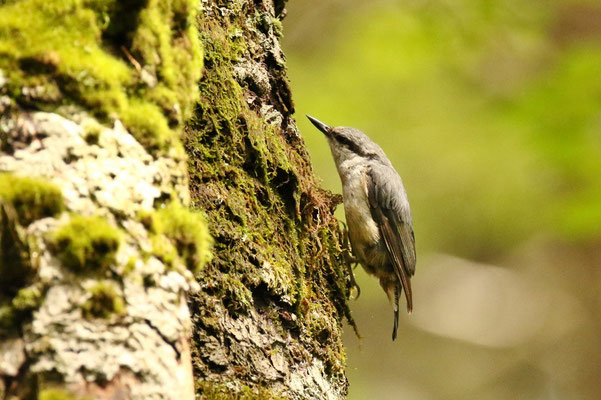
{"x":130,"y":266}
{"x":275,"y":235}
{"x":16,"y":269}
{"x":104,"y":301}
{"x":22,"y":201}
{"x":13,"y":312}
{"x":145,"y":217}
{"x":55,"y":393}
{"x":220,"y":391}
{"x":86,"y":243}
{"x":152,"y":129}
{"x":278,"y":29}
{"x":178,"y":236}
{"x":164,"y":250}
{"x":7,"y":317}
{"x":237,"y":297}
{"x":92,"y":131}
{"x":27,"y":299}
{"x":117,"y":59}
{"x":48,"y":40}
{"x":31,"y":198}
{"x":187,"y":230}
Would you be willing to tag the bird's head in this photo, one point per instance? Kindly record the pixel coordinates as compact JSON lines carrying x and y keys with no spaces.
{"x":348,"y":143}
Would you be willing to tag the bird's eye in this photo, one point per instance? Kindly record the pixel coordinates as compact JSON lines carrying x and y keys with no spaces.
{"x":344,"y":141}
{"x":348,"y":143}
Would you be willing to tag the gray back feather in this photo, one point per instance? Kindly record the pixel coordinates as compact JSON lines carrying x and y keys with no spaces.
{"x":390,"y":195}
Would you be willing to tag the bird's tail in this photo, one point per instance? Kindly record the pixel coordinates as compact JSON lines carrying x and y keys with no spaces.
{"x":397,"y":294}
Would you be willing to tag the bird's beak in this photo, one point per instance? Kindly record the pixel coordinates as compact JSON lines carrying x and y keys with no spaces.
{"x":320,"y":125}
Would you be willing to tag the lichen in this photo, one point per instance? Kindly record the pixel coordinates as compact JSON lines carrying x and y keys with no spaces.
{"x":31,"y":198}
{"x":104,"y":301}
{"x":137,"y":61}
{"x":78,"y":79}
{"x":86,"y":243}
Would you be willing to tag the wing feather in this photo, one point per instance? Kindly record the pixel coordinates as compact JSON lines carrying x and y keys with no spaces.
{"x":390,"y":211}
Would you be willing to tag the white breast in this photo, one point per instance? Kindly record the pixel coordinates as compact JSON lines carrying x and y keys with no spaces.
{"x":363,"y":231}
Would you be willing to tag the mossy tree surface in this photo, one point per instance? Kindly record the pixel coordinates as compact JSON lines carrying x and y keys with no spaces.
{"x":267,"y":322}
{"x":93,"y":99}
{"x":135,"y":60}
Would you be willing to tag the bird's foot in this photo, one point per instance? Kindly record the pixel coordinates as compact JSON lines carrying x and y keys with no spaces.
{"x":354,"y":290}
{"x":349,"y":260}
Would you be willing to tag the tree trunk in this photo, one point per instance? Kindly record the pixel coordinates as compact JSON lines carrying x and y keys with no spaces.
{"x":101,"y":261}
{"x":268,"y":316}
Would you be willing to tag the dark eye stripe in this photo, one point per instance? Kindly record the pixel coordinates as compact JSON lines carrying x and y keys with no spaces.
{"x":352,"y":146}
{"x":348,"y":144}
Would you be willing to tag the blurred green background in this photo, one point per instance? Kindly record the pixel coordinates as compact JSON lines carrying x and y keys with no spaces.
{"x":491,"y":112}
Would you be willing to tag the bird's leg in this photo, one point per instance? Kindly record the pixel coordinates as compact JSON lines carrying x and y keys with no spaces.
{"x":354,"y":284}
{"x":346,"y":246}
{"x":349,"y":260}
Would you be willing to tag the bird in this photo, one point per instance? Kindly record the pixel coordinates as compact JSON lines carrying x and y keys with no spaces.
{"x":377,"y":212}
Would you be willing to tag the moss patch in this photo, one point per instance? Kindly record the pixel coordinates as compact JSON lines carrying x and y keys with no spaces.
{"x":138,"y":60}
{"x":104,"y":301}
{"x":277,"y":244}
{"x":179,"y":234}
{"x":58,"y":394}
{"x":31,"y":198}
{"x":29,"y":298}
{"x":7,"y":318}
{"x":14,"y":263}
{"x":16,"y":269}
{"x":22,"y":201}
{"x":18,"y":309}
{"x":219,"y":391}
{"x":251,"y":160}
{"x":86,"y":243}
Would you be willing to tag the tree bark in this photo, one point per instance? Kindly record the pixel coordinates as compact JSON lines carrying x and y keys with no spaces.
{"x":108,"y":286}
{"x":268,"y":317}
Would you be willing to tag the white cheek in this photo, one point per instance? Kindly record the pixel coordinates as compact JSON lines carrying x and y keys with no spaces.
{"x":335,"y":151}
{"x":340,"y":153}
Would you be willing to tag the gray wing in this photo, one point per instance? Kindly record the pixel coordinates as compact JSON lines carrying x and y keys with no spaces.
{"x":390,"y":209}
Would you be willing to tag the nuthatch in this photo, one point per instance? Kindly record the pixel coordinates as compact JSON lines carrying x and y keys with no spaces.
{"x":377,"y":211}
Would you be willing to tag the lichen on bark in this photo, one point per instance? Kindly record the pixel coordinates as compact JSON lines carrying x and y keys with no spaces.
{"x":269,"y":315}
{"x":93,"y":97}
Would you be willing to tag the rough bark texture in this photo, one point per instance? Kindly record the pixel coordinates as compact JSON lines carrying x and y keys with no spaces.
{"x":98,"y":250}
{"x":267,"y":321}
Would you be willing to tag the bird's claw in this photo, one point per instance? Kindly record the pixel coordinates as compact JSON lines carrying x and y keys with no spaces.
{"x":349,"y":261}
{"x":354,"y":292}
{"x":354,"y":287}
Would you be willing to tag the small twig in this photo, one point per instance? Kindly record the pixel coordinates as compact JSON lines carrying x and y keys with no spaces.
{"x":131,"y":59}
